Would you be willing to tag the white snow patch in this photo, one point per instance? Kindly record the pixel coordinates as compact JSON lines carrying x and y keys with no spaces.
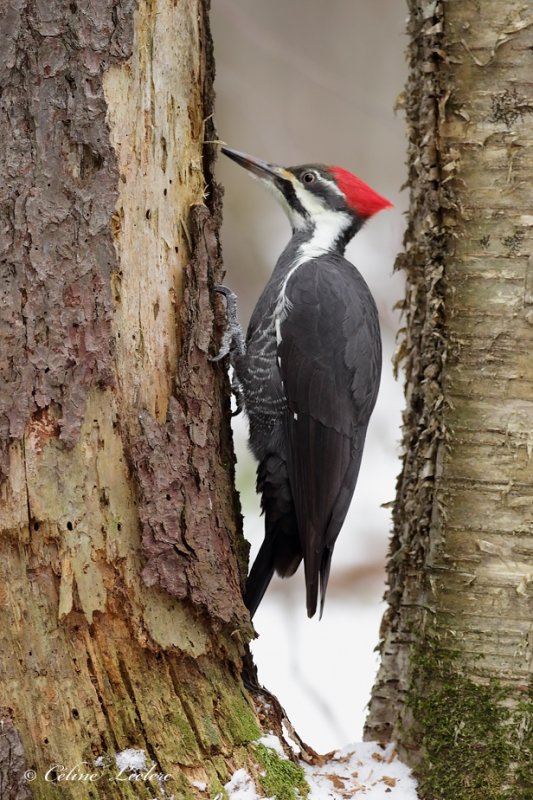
{"x":271,"y":740}
{"x":132,"y":760}
{"x":241,"y":787}
{"x":201,"y":785}
{"x":295,"y":747}
{"x":365,"y":768}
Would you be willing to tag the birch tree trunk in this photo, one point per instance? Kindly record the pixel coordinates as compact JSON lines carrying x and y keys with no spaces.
{"x":121,"y":619}
{"x":455,"y":684}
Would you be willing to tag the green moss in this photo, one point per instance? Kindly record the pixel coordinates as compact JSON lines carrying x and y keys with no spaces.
{"x":476,"y":739}
{"x":180,"y":788}
{"x":221,"y":769}
{"x":240,"y":718}
{"x":217,"y":775}
{"x":283,"y":779}
{"x":523,"y":719}
{"x":187,"y":750}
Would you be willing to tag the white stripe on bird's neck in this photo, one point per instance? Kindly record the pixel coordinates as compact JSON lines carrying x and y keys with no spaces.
{"x":327,"y":228}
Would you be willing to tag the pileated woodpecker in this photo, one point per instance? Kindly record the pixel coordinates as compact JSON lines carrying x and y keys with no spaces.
{"x":309,"y":371}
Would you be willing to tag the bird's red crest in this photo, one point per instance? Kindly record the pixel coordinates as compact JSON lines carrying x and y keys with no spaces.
{"x":364,"y":200}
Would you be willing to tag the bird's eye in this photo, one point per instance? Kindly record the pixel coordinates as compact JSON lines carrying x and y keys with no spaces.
{"x":309,"y":177}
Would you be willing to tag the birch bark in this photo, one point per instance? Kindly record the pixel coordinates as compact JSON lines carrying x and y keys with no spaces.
{"x":455,"y":680}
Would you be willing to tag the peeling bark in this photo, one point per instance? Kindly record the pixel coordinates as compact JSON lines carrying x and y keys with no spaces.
{"x":456,"y":636}
{"x":121,"y":618}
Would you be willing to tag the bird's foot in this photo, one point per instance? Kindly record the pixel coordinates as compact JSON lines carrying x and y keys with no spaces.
{"x":233,"y":339}
{"x":238,"y":394}
{"x":232,"y":343}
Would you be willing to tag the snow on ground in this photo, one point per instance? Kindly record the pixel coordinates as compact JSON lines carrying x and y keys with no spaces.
{"x":365,"y":770}
{"x":241,"y":787}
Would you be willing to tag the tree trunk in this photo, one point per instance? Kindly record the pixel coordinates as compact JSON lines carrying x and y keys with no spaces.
{"x":454,"y":686}
{"x":121,"y":619}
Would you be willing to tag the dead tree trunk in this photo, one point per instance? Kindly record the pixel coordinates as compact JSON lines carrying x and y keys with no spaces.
{"x":455,"y":681}
{"x":121,"y":619}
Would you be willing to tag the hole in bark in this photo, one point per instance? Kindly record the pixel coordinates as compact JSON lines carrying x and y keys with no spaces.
{"x":119,"y":527}
{"x":148,"y":213}
{"x":168,"y":497}
{"x":90,"y":161}
{"x":165,"y":192}
{"x":75,"y":713}
{"x":36,"y":526}
{"x":164,"y":154}
{"x":70,"y":526}
{"x":45,"y":741}
{"x":73,"y":7}
{"x":176,"y":248}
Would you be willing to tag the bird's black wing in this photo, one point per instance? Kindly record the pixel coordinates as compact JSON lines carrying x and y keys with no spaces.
{"x":329,"y":356}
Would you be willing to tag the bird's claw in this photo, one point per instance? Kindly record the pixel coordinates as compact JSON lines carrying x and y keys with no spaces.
{"x":236,"y":388}
{"x":232,"y":343}
{"x":232,"y":339}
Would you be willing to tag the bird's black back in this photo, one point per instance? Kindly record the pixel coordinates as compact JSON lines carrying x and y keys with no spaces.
{"x":309,"y":392}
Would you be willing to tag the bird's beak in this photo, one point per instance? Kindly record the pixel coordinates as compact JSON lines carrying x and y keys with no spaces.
{"x":261,"y":169}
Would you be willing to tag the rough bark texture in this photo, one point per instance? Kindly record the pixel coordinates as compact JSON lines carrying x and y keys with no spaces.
{"x":454,"y":684}
{"x":121,"y":618}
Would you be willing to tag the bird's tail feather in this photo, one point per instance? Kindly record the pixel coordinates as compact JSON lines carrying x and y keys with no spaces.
{"x":324,"y":576}
{"x":281,"y":551}
{"x":260,"y":575}
{"x":311,"y":588}
{"x":314,"y":571}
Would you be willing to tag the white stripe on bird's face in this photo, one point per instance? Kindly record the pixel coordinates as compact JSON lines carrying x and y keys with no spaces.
{"x":328,"y":224}
{"x":297,"y":221}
